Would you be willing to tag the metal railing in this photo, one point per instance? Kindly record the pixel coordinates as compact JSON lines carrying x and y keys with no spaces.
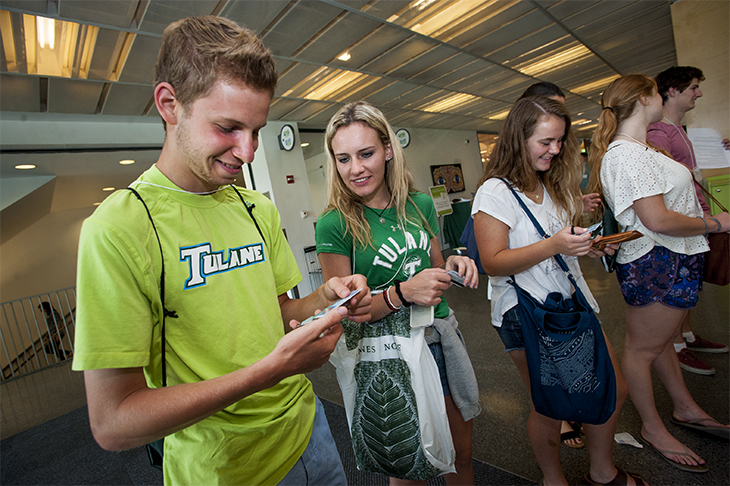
{"x":37,"y":332}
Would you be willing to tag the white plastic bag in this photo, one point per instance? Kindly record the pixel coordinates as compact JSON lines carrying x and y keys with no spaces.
{"x":393,"y":399}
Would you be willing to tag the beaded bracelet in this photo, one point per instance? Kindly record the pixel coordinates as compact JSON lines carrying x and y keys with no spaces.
{"x":400,"y":294}
{"x":386,"y":298}
{"x":707,"y":228}
{"x":719,"y":226}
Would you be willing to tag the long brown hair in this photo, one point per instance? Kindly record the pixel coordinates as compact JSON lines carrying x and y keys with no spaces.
{"x":618,"y":102}
{"x":511,"y":156}
{"x":398,"y":176}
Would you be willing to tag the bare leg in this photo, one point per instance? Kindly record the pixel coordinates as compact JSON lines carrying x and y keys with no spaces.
{"x":461,"y":433}
{"x":543,"y":432}
{"x":649,"y":334}
{"x":600,"y":437}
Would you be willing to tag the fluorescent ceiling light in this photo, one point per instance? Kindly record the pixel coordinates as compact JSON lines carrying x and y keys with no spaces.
{"x":449,"y":103}
{"x":305,"y":144}
{"x":555,"y":60}
{"x":594,"y":85}
{"x":107,"y":189}
{"x":500,"y":116}
{"x":25,"y":166}
{"x":345,"y":56}
{"x":126,"y":162}
{"x":48,"y":47}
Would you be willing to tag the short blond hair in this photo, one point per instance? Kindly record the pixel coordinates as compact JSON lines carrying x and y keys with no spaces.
{"x":197,"y":51}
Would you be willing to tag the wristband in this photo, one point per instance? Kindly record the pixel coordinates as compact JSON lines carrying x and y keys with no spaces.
{"x":386,"y":297}
{"x":719,"y":226}
{"x":707,"y":228}
{"x":400,"y":294}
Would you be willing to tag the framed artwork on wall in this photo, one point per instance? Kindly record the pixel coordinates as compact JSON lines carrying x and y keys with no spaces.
{"x":448,"y":175}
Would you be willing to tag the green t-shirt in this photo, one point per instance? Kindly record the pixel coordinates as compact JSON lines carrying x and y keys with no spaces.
{"x":223,"y":282}
{"x":400,"y":249}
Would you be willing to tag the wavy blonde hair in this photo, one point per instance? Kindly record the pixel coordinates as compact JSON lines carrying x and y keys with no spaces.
{"x":618,"y":102}
{"x":510,"y":158}
{"x":398,"y":176}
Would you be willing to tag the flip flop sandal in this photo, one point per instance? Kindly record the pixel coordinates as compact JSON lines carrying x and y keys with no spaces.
{"x":699,"y":468}
{"x":566,"y":436}
{"x":696,"y":424}
{"x":621,"y":479}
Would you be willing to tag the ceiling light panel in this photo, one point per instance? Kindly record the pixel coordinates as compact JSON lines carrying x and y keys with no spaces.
{"x":475,"y":39}
{"x":298,"y":25}
{"x":144,"y":51}
{"x":423,"y":62}
{"x":73,"y":96}
{"x":117,"y":14}
{"x":375,"y":44}
{"x":160,"y":14}
{"x":400,"y":54}
{"x":19,"y":93}
{"x":254,"y":15}
{"x":338,"y":37}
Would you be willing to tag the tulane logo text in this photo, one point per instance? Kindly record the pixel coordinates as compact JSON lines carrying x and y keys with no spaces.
{"x":204,"y":261}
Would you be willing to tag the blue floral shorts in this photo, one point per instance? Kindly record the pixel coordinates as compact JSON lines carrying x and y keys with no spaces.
{"x":672,"y":279}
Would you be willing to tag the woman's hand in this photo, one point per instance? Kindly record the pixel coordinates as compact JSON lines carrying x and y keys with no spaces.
{"x":572,"y":241}
{"x":425,"y":288}
{"x":609,"y":249}
{"x":466,"y":268}
{"x":591,"y":202}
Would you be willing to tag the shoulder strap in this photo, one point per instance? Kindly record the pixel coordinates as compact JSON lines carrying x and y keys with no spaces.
{"x":544,"y":235}
{"x":249,"y":210}
{"x":165,"y":312}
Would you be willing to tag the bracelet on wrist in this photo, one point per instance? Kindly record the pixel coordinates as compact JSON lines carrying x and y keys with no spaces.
{"x":719,"y":226}
{"x":707,"y":228}
{"x":388,"y":302}
{"x":400,"y":294}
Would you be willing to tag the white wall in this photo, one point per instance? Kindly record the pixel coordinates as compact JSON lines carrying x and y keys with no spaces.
{"x":441,"y":147}
{"x":290,"y":199}
{"x":43,"y":257}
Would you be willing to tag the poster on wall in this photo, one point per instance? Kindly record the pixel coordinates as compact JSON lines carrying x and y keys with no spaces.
{"x":440,"y":200}
{"x":448,"y":175}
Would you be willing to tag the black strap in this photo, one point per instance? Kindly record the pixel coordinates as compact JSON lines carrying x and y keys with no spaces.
{"x":544,"y":235}
{"x":165,"y":312}
{"x":249,"y":209}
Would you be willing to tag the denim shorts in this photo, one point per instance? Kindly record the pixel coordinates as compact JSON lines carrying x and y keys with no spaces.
{"x":672,"y":279}
{"x":438,"y":354}
{"x":320,"y":463}
{"x":511,"y":331}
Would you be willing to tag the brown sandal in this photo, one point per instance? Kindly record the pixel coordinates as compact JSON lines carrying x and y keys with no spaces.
{"x":621,"y":479}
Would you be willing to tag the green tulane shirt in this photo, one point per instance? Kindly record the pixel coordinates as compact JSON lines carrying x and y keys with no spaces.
{"x":223,"y":282}
{"x":400,"y":249}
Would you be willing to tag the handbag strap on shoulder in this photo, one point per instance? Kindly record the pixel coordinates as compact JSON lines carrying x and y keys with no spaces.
{"x":558,"y":258}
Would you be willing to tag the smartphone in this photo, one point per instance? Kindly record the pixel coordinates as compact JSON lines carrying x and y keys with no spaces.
{"x":333,"y":305}
{"x":455,"y":279}
{"x":594,"y":230}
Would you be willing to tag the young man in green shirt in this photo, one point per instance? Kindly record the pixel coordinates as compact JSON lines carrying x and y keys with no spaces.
{"x":236,"y":408}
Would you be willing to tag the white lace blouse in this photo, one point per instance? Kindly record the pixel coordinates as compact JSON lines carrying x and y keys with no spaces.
{"x":630,"y":172}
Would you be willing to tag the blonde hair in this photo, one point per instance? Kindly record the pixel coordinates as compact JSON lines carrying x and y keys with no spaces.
{"x":618,"y":102}
{"x":398,"y":176}
{"x":510,"y":158}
